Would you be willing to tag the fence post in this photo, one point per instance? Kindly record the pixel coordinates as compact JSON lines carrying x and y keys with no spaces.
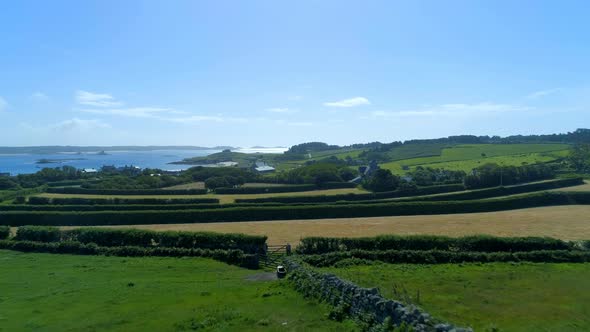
{"x":288,"y":249}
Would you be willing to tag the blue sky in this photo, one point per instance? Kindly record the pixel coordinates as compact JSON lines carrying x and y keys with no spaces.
{"x":270,"y":73}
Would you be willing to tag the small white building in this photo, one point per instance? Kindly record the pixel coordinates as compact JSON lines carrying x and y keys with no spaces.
{"x":262,"y":167}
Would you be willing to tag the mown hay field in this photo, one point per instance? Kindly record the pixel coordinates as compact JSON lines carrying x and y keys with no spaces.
{"x":563,"y":222}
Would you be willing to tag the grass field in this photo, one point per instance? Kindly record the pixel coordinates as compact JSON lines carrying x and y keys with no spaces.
{"x":488,"y":297}
{"x":467,"y":157}
{"x":44,"y":292}
{"x":224,"y":199}
{"x":564,"y":222}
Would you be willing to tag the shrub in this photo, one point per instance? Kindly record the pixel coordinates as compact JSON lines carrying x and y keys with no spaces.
{"x":357,"y":197}
{"x":106,"y":237}
{"x":36,"y":200}
{"x":235,"y":257}
{"x":262,"y":190}
{"x":480,"y":243}
{"x":73,"y":190}
{"x":38,"y":234}
{"x":445,"y":257}
{"x":287,"y":212}
{"x":4,"y":232}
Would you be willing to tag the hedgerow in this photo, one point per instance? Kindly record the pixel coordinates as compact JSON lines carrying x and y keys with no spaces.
{"x":230,"y":256}
{"x":38,"y":200}
{"x":445,"y":257}
{"x":19,"y":218}
{"x":74,"y":190}
{"x":262,"y":190}
{"x":144,"y":238}
{"x":4,"y":232}
{"x":479,"y":243}
{"x":504,"y":191}
{"x":357,"y":197}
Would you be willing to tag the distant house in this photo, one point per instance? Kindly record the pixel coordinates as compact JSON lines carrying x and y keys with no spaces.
{"x":89,"y":170}
{"x":227,"y":164}
{"x":366,"y":172}
{"x":262,"y":167}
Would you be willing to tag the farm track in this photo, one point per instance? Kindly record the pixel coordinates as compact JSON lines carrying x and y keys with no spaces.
{"x":564,"y":222}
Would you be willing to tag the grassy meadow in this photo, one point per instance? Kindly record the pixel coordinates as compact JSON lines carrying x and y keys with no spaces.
{"x":467,"y":157}
{"x":488,"y":297}
{"x":45,"y":292}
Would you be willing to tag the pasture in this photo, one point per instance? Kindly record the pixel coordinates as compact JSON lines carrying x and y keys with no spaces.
{"x":98,"y":293}
{"x":563,"y":222}
{"x":487,"y":297}
{"x":467,"y":157}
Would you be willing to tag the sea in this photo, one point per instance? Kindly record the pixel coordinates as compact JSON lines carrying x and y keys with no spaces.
{"x":28,"y":163}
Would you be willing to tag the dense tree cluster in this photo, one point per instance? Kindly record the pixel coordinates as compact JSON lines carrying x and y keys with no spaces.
{"x":579,"y":158}
{"x":426,"y":176}
{"x":382,"y":180}
{"x":492,"y":175}
{"x":317,"y":173}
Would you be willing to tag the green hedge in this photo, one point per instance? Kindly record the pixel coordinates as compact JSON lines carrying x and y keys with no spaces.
{"x":357,"y":197}
{"x":10,"y":195}
{"x":234,"y":257}
{"x":263,"y":190}
{"x":144,"y":238}
{"x":73,"y":190}
{"x":481,"y":243}
{"x":36,"y":200}
{"x":445,"y":257}
{"x":19,"y":218}
{"x":504,"y":191}
{"x":4,"y":232}
{"x":116,"y":207}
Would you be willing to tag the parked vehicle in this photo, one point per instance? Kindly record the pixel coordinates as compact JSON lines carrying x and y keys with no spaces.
{"x":281,"y":271}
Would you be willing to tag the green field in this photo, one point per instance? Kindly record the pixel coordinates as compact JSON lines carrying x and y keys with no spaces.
{"x":469,"y":156}
{"x":488,"y":297}
{"x":44,"y":292}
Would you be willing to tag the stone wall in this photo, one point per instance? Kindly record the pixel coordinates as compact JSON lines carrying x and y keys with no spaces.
{"x":364,"y":304}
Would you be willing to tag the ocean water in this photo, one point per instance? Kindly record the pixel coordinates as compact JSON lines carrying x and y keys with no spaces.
{"x":26,"y":163}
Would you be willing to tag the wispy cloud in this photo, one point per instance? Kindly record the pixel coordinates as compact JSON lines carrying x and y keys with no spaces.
{"x":295,"y":98}
{"x":39,"y":96}
{"x":3,"y":104}
{"x":542,"y":93}
{"x":76,"y":124}
{"x":101,"y":103}
{"x":459,"y":109}
{"x":351,"y":102}
{"x":96,"y":99}
{"x":135,"y":112}
{"x":283,"y":110}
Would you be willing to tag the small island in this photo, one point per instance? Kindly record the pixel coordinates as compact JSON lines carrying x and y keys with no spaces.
{"x":56,"y":161}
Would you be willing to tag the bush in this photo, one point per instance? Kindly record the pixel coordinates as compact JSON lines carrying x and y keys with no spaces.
{"x":262,"y":190}
{"x":38,"y":234}
{"x":446,"y":257}
{"x":358,"y":197}
{"x":235,"y":257}
{"x":73,"y":190}
{"x":287,"y":212}
{"x":36,"y":200}
{"x":4,"y":232}
{"x":480,"y":243}
{"x":505,"y":191}
{"x":106,"y":237}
